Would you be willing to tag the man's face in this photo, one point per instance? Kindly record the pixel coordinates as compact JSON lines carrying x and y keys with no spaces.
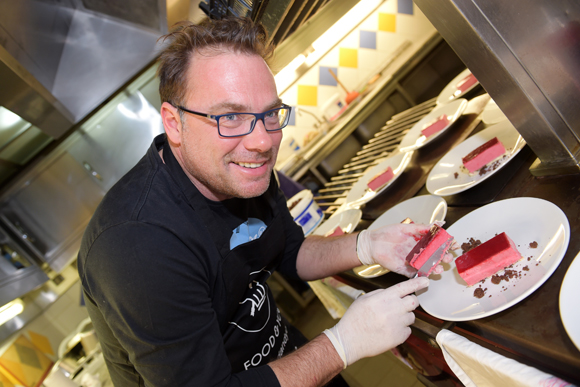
{"x":223,"y":168}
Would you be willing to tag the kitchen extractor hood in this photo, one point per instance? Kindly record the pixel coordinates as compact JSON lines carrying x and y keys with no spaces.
{"x":59,"y":60}
{"x":527,"y":57}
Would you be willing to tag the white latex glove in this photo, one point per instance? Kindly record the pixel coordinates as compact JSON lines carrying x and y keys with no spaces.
{"x":389,"y":246}
{"x":376,"y":321}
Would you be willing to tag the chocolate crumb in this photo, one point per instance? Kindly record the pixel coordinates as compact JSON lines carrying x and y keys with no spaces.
{"x":525,"y":268}
{"x":470,"y":244}
{"x":479,"y":293}
{"x":534,"y":245}
{"x":456,"y":175}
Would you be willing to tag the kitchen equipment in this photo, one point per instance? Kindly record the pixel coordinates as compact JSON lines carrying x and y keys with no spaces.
{"x":350,"y":95}
{"x":305,"y":211}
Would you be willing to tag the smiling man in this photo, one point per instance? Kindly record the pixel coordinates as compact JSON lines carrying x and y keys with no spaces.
{"x":175,"y":260}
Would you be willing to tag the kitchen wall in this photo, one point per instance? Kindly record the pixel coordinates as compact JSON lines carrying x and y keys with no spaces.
{"x":357,"y":57}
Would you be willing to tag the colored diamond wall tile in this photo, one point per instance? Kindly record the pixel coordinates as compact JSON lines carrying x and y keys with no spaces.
{"x":348,"y":57}
{"x":405,"y":6}
{"x":387,"y":22}
{"x":307,"y":95}
{"x":4,"y":381}
{"x":25,"y":363}
{"x":325,"y":78}
{"x":368,"y":39}
{"x":41,"y":342}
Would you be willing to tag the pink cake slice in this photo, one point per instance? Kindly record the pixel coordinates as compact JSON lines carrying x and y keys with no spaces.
{"x":487,"y":259}
{"x":381,"y":179}
{"x":336,"y":232}
{"x":435,"y":126}
{"x":483,"y":155}
{"x":466,"y":83}
{"x":432,"y":247}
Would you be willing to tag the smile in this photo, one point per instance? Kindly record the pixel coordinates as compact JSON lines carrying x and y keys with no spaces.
{"x":250,"y":165}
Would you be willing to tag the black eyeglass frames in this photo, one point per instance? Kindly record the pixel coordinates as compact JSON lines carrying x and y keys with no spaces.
{"x":241,"y":124}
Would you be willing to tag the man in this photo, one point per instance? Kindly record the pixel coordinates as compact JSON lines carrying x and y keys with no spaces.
{"x":175,"y":260}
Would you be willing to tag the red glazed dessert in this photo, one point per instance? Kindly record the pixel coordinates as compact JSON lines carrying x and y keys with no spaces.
{"x":381,"y":179}
{"x":483,"y":155}
{"x":336,"y":232}
{"x":466,"y":83}
{"x":430,"y":249}
{"x":435,"y":126}
{"x":487,"y":259}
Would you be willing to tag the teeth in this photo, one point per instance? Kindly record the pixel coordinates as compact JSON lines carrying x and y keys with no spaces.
{"x":250,"y":165}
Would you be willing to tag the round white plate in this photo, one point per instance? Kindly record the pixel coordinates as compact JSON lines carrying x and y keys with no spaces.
{"x":449,"y":177}
{"x":415,"y":140}
{"x":449,"y":298}
{"x":569,"y":311}
{"x":492,"y":114}
{"x":424,"y":209}
{"x":359,"y":194}
{"x":450,"y":92}
{"x":347,"y":220}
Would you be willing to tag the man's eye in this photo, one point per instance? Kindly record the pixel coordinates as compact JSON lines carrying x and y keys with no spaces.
{"x":230,"y":117}
{"x":272,"y":114}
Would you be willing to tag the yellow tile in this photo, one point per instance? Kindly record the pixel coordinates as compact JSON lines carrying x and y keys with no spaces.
{"x":387,"y":22}
{"x":41,"y":342}
{"x":348,"y":57}
{"x":307,"y":95}
{"x":4,"y":381}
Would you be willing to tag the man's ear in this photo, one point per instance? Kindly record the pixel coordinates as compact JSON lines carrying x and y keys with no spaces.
{"x":171,"y":122}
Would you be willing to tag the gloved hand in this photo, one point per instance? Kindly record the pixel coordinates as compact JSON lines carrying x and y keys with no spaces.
{"x":389,"y":246}
{"x":376,"y":321}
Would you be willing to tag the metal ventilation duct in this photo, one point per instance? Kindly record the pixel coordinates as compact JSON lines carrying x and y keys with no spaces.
{"x":60,"y":59}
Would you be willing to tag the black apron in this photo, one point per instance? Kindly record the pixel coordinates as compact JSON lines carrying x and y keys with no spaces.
{"x":254,"y":332}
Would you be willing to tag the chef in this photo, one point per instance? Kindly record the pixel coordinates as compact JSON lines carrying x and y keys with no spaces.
{"x":175,"y":260}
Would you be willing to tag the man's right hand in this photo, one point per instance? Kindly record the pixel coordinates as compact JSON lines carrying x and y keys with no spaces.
{"x":377,"y":321}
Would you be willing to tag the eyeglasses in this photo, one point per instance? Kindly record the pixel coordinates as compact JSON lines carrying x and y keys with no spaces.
{"x":241,"y":124}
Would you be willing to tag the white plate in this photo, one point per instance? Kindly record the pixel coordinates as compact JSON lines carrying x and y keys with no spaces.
{"x":442,"y":181}
{"x":347,"y":220}
{"x":569,"y":311}
{"x":450,"y":92}
{"x":424,"y":209}
{"x":415,"y":140}
{"x":492,"y":114}
{"x":359,"y":194}
{"x":524,"y":220}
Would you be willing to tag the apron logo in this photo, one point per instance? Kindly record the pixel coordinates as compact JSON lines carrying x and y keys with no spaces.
{"x":257,"y":299}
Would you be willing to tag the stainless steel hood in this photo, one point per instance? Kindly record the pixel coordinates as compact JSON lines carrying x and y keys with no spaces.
{"x":527,"y":57}
{"x":62,"y":59}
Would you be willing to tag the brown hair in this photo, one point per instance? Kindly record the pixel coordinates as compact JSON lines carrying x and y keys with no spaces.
{"x":239,"y":35}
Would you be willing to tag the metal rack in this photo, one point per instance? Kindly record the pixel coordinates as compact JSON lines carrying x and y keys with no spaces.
{"x":384,"y":142}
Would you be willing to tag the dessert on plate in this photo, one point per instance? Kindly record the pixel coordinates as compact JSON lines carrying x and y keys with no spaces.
{"x":381,"y":179}
{"x":431,"y":248}
{"x":483,"y":155}
{"x":435,"y":125}
{"x":466,"y":83}
{"x":487,"y":259}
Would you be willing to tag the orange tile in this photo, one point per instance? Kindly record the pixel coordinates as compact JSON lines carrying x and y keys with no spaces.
{"x":387,"y":22}
{"x":41,"y":342}
{"x":25,"y":363}
{"x":307,"y":95}
{"x":348,"y":57}
{"x":4,"y":381}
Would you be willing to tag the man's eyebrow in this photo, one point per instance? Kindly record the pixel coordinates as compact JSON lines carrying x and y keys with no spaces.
{"x":235,"y":107}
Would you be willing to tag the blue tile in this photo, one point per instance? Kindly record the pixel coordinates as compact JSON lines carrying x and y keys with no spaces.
{"x":368,"y":39}
{"x":405,"y":6}
{"x":324,"y":77}
{"x":292,"y":120}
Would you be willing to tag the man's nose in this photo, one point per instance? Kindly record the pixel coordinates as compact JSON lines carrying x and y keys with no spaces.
{"x":259,"y":140}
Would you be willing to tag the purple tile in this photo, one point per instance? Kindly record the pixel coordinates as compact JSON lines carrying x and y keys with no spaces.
{"x":324,"y":77}
{"x":368,"y":39}
{"x":405,"y":6}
